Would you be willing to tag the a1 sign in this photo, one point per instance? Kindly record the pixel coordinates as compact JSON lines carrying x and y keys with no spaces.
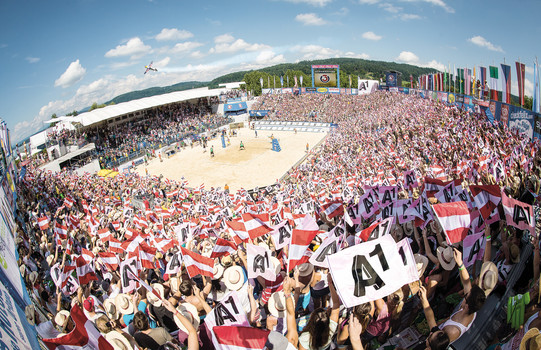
{"x":259,"y":263}
{"x":368,"y":271}
{"x":126,"y":267}
{"x":228,"y":312}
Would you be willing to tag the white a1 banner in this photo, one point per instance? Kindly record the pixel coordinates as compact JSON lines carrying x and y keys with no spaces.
{"x":329,"y":246}
{"x":259,"y":263}
{"x":368,"y":271}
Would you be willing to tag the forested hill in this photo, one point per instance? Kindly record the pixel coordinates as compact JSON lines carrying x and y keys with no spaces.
{"x":353,"y":67}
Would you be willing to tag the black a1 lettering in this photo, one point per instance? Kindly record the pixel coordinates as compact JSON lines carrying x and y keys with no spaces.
{"x":125,"y":275}
{"x":353,"y":211}
{"x":368,"y":203}
{"x":448,"y":194}
{"x":463,"y":196}
{"x":475,"y":249}
{"x":222,"y":314}
{"x":387,"y":198}
{"x":425,"y":212}
{"x":521,"y":214}
{"x":327,"y":250}
{"x":174,"y":263}
{"x":284,"y":233}
{"x":388,"y":211}
{"x":261,"y":262}
{"x":361,"y":268}
{"x":338,"y":231}
{"x":410,"y":180}
{"x":403,"y":255}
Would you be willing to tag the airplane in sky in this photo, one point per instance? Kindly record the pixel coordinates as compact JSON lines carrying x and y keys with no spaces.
{"x":149,"y":67}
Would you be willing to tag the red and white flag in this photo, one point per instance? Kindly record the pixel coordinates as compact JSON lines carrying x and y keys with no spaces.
{"x":61,"y":230}
{"x":518,"y":214}
{"x":333,"y":209}
{"x":223,"y":247}
{"x":300,"y":240}
{"x":237,"y":231}
{"x":455,"y":219}
{"x":84,"y":335}
{"x":240,"y":338}
{"x":254,"y":226}
{"x":197,"y":264}
{"x":486,"y":198}
{"x":85,"y":273}
{"x":43,"y":223}
{"x":87,"y":255}
{"x":110,"y":260}
{"x":146,"y":255}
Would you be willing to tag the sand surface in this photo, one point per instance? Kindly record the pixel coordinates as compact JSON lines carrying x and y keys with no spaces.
{"x":256,"y":165}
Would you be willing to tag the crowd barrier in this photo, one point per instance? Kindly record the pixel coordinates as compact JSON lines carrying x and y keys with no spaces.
{"x":291,"y":126}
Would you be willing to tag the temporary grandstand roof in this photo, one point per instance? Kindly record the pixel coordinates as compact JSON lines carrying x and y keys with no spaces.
{"x":98,"y":115}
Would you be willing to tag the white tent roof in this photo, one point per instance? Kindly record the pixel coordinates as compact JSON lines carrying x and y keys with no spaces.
{"x":101,"y":114}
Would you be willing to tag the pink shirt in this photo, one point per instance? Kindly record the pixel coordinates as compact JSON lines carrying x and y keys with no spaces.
{"x":380,"y":325}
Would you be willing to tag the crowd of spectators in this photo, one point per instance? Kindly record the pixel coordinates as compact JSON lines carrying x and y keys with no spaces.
{"x":379,"y":138}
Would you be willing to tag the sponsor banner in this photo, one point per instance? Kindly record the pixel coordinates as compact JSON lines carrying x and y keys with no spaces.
{"x":460,"y":98}
{"x":334,"y":90}
{"x":521,"y":120}
{"x":15,"y":332}
{"x":537,"y":126}
{"x":335,"y":66}
{"x":495,"y":108}
{"x":367,"y":86}
{"x":393,"y":89}
{"x":325,"y":78}
{"x":504,"y":116}
{"x":391,"y":79}
{"x":354,"y":91}
{"x":406,"y":91}
{"x":8,"y":260}
{"x":258,"y":113}
{"x":434,"y":95}
{"x":451,"y":97}
{"x":310,"y":89}
{"x":322,"y":90}
{"x":287,"y":90}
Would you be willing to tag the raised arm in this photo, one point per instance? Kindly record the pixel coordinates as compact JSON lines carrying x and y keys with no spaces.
{"x":429,"y":314}
{"x":488,"y":244}
{"x":193,"y":341}
{"x":292,"y":333}
{"x":335,"y":311}
{"x":464,"y":275}
{"x":428,"y":250}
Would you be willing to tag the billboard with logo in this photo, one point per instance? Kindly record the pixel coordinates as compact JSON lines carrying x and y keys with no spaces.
{"x":327,"y":75}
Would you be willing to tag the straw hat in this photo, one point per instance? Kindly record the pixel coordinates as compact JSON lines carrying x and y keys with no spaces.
{"x":277,"y":265}
{"x":446,"y":258}
{"x":33,"y":277}
{"x":421,"y":262}
{"x":227,"y":261}
{"x":218,"y":271}
{"x":124,"y":304}
{"x":62,"y":318}
{"x":152,"y":298}
{"x":110,"y":308}
{"x":118,"y":341}
{"x":488,"y":278}
{"x":233,"y":277}
{"x":531,"y":340}
{"x":190,"y":312}
{"x":306,"y":269}
{"x":277,"y":304}
{"x":174,"y":284}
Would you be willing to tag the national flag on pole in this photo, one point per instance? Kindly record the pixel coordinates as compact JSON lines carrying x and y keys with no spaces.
{"x":301,"y":238}
{"x":61,"y":230}
{"x":87,"y":255}
{"x":146,"y":255}
{"x":506,"y":86}
{"x":494,"y":76}
{"x":197,"y":264}
{"x":239,"y":338}
{"x":223,"y":247}
{"x":518,"y":214}
{"x":483,"y":78}
{"x":84,"y":334}
{"x":521,"y":70}
{"x":455,"y":220}
{"x":486,"y":198}
{"x":43,"y":223}
{"x":85,"y":273}
{"x":333,"y":209}
{"x":237,"y":231}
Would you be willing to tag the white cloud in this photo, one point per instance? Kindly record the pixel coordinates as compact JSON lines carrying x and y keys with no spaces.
{"x":368,"y":2}
{"x":93,"y":87}
{"x":482,"y":42}
{"x":371,"y":36}
{"x":310,"y":19}
{"x":162,"y":63}
{"x":318,"y":3}
{"x":185,"y":47}
{"x":173,"y":34}
{"x":408,"y":16}
{"x":350,"y":54}
{"x":224,"y":38}
{"x":529,"y":70}
{"x":408,"y":57}
{"x":32,"y":59}
{"x":134,"y":48}
{"x":342,"y":12}
{"x":269,"y":57}
{"x":72,"y":75}
{"x":439,"y":3}
{"x":227,"y":44}
{"x":411,"y":58}
{"x":390,"y":8}
{"x":197,"y":54}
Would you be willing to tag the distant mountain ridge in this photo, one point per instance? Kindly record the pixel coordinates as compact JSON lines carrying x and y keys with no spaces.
{"x":366,"y":69}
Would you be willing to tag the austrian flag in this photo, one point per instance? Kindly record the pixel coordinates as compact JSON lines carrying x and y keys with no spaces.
{"x":333,"y":209}
{"x":197,"y":264}
{"x":455,"y":220}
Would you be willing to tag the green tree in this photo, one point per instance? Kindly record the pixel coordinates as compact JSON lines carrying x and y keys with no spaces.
{"x":528,"y":102}
{"x":54,"y":116}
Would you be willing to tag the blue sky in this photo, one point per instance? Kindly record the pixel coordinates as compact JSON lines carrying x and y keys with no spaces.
{"x":60,"y":56}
